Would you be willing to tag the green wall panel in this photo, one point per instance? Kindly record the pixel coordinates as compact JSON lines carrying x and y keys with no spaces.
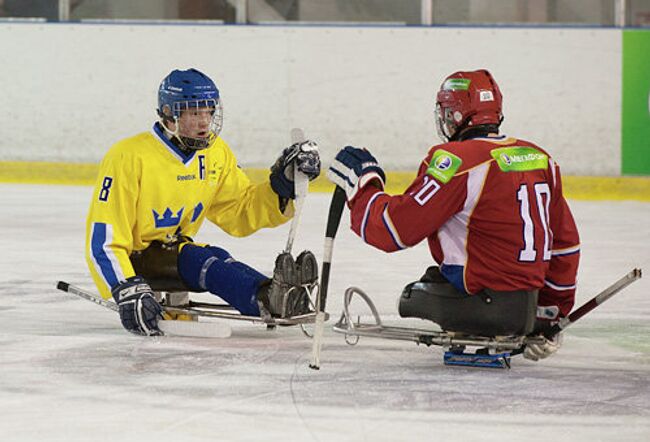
{"x":636,"y":103}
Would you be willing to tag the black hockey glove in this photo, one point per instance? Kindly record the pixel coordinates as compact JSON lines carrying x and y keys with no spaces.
{"x":139,"y":310}
{"x":305,"y":157}
{"x":353,"y":168}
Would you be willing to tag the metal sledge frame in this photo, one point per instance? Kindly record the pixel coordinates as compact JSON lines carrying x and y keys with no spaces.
{"x":492,"y":352}
{"x":353,"y":331}
{"x":226,"y":311}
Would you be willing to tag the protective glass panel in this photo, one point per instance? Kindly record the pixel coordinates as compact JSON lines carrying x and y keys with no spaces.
{"x":402,"y":12}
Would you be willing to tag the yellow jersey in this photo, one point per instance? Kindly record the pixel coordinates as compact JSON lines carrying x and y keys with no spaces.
{"x":148,"y":189}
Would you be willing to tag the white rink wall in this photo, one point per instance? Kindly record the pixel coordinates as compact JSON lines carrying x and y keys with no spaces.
{"x":72,"y":90}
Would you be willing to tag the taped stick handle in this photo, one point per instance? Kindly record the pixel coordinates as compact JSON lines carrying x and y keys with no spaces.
{"x":297,"y":135}
{"x":301,"y":187}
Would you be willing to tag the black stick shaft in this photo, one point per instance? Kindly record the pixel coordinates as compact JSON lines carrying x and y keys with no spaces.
{"x":65,"y":287}
{"x":336,"y":209}
{"x":333,"y":222}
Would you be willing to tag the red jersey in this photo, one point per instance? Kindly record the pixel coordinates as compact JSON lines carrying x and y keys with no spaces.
{"x":494,"y":216}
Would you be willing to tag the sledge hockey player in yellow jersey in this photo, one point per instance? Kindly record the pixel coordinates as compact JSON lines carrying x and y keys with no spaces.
{"x":155,"y":189}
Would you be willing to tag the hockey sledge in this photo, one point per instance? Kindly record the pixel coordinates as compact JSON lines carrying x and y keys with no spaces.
{"x":462,"y":349}
{"x":182,"y":319}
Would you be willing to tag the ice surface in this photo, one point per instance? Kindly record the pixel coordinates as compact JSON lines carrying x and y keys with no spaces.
{"x":69,"y":372}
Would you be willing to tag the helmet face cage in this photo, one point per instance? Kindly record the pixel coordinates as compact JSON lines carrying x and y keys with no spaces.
{"x":446,"y":126}
{"x":214,"y":128}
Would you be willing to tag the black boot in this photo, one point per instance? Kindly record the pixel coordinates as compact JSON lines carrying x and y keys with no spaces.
{"x":287,"y":294}
{"x":308,"y":278}
{"x":284,"y":290}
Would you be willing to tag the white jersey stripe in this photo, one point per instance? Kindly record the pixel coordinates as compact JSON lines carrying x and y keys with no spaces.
{"x":567,"y":251}
{"x":559,"y":287}
{"x":364,"y":223}
{"x":551,"y":165}
{"x":453,"y":234}
{"x":391,"y":229}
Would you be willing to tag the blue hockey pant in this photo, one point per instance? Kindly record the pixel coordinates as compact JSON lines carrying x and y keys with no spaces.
{"x":214,"y":270}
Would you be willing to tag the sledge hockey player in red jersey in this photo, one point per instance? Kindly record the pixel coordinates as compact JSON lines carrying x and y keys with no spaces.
{"x":155,"y":189}
{"x":492,"y":211}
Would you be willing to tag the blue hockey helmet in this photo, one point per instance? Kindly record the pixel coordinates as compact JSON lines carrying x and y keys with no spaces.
{"x":189,"y":89}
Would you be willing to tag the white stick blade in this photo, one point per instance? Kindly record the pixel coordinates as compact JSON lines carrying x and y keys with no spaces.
{"x":195,"y":329}
{"x":317,"y":343}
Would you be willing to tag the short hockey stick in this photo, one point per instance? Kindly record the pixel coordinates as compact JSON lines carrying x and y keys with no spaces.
{"x":171,"y":327}
{"x":588,"y":306}
{"x":301,"y":187}
{"x":69,"y":288}
{"x":333,"y":221}
{"x":594,"y":302}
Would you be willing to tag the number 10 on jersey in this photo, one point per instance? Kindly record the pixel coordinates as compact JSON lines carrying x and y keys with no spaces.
{"x":542,"y":200}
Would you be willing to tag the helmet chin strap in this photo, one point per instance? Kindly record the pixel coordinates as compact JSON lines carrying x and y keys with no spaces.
{"x":179,"y":140}
{"x":172,"y":135}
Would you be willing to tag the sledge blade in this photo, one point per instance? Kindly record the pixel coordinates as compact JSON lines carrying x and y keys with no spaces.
{"x":498,"y":360}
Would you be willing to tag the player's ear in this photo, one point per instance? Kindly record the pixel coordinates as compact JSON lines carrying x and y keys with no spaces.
{"x":166,"y":115}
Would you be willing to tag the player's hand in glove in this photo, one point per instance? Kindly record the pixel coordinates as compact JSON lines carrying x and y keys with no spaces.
{"x":353,"y":168}
{"x":139,"y":310}
{"x":535,"y":352}
{"x":305,"y":157}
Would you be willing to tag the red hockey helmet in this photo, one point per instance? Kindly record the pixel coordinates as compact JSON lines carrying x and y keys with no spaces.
{"x":467,"y":99}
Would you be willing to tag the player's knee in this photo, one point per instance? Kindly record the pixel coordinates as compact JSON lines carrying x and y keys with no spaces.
{"x":198,"y":254}
{"x":219,"y":253}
